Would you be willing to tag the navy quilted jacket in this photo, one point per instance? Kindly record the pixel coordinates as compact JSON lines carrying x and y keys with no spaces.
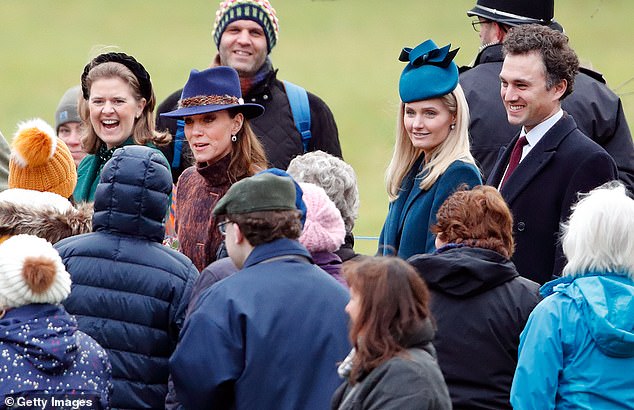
{"x":130,"y":292}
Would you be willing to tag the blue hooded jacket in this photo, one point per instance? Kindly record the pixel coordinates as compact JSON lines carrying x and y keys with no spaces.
{"x":577,"y":350}
{"x":129,"y":291}
{"x":42,"y":352}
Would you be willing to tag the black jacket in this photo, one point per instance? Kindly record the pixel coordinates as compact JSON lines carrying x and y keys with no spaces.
{"x":411,"y":381}
{"x":275,"y":128}
{"x":542,"y":189}
{"x":129,"y":292}
{"x":481,"y":305}
{"x":597,"y":111}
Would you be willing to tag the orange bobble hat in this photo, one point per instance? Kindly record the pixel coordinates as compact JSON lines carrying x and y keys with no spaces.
{"x":40,"y":160}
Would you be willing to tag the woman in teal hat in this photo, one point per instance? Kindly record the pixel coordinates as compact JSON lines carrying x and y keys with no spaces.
{"x":431,"y":157}
{"x":117,"y":109}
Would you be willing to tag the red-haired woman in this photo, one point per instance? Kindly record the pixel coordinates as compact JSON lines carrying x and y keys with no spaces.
{"x":479,"y":301}
{"x":393,"y":363}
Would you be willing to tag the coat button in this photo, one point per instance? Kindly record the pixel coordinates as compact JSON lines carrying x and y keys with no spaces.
{"x":521,"y":226}
{"x":265,"y":97}
{"x":252,"y":99}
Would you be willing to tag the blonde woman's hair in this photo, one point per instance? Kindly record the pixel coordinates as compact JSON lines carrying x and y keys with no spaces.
{"x":454,"y":147}
{"x":143,"y":131}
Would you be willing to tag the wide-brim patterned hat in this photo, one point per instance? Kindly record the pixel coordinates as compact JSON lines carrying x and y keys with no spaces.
{"x":213,"y":89}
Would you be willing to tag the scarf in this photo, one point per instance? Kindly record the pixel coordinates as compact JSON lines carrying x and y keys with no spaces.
{"x":248,"y":83}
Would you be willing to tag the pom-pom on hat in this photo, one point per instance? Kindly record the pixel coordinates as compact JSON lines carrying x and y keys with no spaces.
{"x":430,"y":72}
{"x":31,"y":271}
{"x":40,"y":160}
{"x":324,"y":229}
{"x":210,"y":90}
{"x":259,"y":11}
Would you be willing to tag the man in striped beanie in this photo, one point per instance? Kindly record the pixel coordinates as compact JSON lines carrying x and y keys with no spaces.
{"x":245,"y":32}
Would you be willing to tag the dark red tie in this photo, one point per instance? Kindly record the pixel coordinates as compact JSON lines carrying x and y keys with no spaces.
{"x":516,"y":156}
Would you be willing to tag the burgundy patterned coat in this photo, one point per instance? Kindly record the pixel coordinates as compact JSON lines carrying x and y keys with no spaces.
{"x":199,"y":189}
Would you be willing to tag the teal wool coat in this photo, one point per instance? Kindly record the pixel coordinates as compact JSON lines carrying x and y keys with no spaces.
{"x":409,"y":218}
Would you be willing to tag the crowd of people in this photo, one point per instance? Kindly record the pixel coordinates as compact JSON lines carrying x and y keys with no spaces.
{"x":203,"y":256}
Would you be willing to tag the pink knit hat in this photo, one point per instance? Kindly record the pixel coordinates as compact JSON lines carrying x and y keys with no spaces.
{"x":324,"y":229}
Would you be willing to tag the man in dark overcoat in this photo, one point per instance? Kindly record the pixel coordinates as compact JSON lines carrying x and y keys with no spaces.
{"x":550,"y":161}
{"x":597,"y":110}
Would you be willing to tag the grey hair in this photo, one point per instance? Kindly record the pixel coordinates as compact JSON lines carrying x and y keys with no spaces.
{"x":599,"y":236}
{"x":335,"y":176}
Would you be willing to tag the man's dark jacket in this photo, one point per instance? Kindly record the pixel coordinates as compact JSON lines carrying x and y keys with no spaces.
{"x":278,"y":329}
{"x":480,"y":304}
{"x":543,"y":188}
{"x":596,"y":109}
{"x":129,"y":291}
{"x":275,"y":128}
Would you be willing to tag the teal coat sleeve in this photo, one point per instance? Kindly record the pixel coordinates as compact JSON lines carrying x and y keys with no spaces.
{"x":540,"y":359}
{"x":406,"y":231}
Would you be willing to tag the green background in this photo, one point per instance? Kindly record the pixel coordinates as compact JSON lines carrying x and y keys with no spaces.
{"x":343,"y":50}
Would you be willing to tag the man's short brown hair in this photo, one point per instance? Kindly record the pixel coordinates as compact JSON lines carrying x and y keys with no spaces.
{"x":266,"y":226}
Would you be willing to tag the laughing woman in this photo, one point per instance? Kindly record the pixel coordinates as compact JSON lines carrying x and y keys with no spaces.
{"x":225,"y":150}
{"x":431,"y":157}
{"x":118,"y":109}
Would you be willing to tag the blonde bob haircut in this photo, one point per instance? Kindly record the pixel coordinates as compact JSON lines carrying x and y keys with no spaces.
{"x":599,"y":236}
{"x":143,"y":131}
{"x":454,"y":147}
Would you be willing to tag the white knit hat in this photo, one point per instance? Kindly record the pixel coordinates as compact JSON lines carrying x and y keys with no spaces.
{"x":324,"y":229}
{"x":31,"y":271}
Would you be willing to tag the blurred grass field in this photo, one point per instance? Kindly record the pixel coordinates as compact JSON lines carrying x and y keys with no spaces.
{"x":343,"y":50}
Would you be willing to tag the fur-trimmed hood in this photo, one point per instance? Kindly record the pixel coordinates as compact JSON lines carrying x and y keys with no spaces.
{"x":42,"y":214}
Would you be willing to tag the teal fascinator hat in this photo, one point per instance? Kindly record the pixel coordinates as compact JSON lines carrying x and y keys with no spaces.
{"x":430,"y":72}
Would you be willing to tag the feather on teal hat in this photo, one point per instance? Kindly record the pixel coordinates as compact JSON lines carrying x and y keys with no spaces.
{"x":430,"y":72}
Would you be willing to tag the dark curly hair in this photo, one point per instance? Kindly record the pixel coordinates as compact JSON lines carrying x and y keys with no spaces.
{"x":560,"y":60}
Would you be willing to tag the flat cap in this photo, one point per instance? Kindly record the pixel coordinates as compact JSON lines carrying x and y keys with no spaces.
{"x":261,"y":192}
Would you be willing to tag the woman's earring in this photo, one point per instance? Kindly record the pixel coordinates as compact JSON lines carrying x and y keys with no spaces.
{"x":452,"y":126}
{"x":234,"y":138}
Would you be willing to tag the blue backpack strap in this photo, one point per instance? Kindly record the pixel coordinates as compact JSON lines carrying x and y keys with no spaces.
{"x":298,"y":100}
{"x":178,"y":143}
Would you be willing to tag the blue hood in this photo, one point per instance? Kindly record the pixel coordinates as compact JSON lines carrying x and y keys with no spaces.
{"x":43,"y":334}
{"x":132,"y":197}
{"x":607,"y":305}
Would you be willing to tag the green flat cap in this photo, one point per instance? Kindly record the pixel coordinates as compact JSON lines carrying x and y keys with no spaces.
{"x":261,"y":192}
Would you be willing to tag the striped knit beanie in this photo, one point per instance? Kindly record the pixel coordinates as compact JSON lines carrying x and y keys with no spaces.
{"x":40,"y":160}
{"x":259,"y":11}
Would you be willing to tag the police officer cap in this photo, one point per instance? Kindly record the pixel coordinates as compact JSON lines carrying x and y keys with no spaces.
{"x":515,"y":12}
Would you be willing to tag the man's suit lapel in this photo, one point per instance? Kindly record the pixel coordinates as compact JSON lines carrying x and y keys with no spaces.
{"x":536,"y":160}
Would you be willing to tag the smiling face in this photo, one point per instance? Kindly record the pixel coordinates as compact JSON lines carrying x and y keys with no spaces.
{"x":113,"y":110}
{"x":70,"y":133}
{"x":209,"y":134}
{"x":243,"y":47}
{"x":427,"y":123}
{"x":523,"y":90}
